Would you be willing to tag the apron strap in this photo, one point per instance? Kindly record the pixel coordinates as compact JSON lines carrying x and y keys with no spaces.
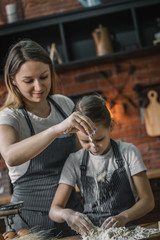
{"x":83,"y":166}
{"x":58,"y":107}
{"x":117,"y":154}
{"x":25,"y":113}
{"x":28,"y":120}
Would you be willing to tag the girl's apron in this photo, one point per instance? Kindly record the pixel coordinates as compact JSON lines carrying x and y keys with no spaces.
{"x":38,"y":185}
{"x":106,"y":198}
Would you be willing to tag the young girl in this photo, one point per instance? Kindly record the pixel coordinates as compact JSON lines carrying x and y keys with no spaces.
{"x":110,"y":174}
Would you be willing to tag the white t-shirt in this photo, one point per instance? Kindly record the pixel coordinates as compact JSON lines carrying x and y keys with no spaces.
{"x":15,"y":118}
{"x":133,"y":163}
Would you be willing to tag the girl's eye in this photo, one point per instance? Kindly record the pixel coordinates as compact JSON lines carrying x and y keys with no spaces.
{"x":99,"y":140}
{"x":85,"y":141}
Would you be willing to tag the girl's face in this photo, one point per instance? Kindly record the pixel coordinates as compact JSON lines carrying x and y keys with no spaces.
{"x":100,"y":141}
{"x":33,"y":81}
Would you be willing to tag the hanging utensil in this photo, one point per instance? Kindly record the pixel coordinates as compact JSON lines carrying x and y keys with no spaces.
{"x":152,"y":114}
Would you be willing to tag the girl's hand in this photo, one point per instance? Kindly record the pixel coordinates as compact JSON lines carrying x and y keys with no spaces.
{"x":78,"y":222}
{"x":77,"y":122}
{"x":114,"y":221}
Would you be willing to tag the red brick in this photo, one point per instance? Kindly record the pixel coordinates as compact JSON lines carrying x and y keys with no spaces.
{"x":147,"y":164}
{"x":127,"y":132}
{"x":65,"y":80}
{"x":153,"y":157}
{"x":155,"y":145}
{"x":144,"y":147}
{"x":80,"y":89}
{"x":155,"y":66}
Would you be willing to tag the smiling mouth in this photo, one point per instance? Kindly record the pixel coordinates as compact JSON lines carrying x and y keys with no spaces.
{"x":39,"y":93}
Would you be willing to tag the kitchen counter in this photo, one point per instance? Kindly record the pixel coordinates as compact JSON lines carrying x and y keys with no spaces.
{"x":153,"y":173}
{"x":5,"y":199}
{"x":78,"y":237}
{"x":148,"y":225}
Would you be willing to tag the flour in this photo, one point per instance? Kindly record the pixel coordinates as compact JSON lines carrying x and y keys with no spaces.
{"x":121,"y":233}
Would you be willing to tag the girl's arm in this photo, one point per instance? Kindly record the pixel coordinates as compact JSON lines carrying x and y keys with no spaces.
{"x":16,"y":152}
{"x":58,"y":213}
{"x":144,"y":205}
{"x":60,"y":200}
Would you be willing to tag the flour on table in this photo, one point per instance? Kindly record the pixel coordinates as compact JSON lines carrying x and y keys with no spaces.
{"x":121,"y":233}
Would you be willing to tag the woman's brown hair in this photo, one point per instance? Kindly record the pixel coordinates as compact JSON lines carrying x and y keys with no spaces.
{"x":21,"y":52}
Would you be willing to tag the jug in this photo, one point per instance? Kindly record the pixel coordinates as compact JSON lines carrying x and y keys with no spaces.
{"x":102,"y":39}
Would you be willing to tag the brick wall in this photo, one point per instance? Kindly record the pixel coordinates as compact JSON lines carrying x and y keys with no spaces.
{"x":27,"y":9}
{"x":115,"y":80}
{"x":118,"y":77}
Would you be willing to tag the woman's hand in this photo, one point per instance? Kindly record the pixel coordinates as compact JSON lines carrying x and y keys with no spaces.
{"x":78,"y":222}
{"x":114,"y":221}
{"x":77,"y":122}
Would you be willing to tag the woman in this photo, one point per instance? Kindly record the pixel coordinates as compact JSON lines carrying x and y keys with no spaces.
{"x":36,"y":135}
{"x":110,"y":174}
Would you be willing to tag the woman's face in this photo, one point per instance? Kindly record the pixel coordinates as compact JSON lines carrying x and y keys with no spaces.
{"x":33,"y":81}
{"x":100,"y":141}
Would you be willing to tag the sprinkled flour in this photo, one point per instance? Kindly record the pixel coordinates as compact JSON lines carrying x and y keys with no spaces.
{"x":121,"y":233}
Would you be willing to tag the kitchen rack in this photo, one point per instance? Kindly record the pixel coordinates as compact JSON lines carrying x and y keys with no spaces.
{"x":132,"y":22}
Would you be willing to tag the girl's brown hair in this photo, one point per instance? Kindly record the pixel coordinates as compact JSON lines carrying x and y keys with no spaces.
{"x":21,"y":52}
{"x":94,"y":107}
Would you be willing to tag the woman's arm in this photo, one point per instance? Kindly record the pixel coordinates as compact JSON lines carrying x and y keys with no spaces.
{"x":144,"y":205}
{"x":16,"y":152}
{"x":58,"y":213}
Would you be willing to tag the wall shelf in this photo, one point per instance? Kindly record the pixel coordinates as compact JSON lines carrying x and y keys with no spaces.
{"x":132,"y":22}
{"x":115,"y":57}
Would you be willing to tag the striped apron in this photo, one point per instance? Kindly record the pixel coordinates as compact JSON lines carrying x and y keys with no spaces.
{"x":38,"y":185}
{"x":106,"y":198}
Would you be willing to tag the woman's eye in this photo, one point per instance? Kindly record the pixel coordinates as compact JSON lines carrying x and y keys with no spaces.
{"x":43,"y":77}
{"x":28,"y":81}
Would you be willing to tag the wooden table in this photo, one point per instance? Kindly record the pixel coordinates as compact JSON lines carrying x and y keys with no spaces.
{"x":153,"y":173}
{"x":148,"y":225}
{"x":71,"y":238}
{"x":5,"y":199}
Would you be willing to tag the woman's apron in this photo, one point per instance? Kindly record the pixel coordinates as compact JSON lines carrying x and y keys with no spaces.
{"x":106,"y":198}
{"x":38,"y":185}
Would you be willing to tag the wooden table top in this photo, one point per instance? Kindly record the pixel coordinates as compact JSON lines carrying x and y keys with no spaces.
{"x":78,"y":237}
{"x":147,"y":225}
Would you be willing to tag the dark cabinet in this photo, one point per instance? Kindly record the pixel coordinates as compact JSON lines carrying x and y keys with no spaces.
{"x":132,"y":24}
